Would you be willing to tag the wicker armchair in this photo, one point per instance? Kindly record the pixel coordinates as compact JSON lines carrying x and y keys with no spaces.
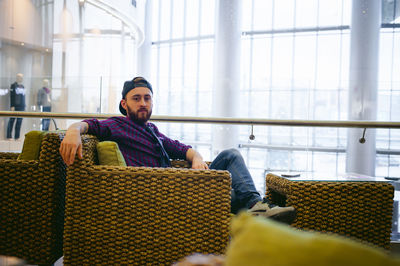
{"x":360,"y":210}
{"x":142,"y":216}
{"x":32,"y":197}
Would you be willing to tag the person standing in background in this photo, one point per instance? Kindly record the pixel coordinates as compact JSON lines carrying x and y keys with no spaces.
{"x":44,"y":102}
{"x":17,"y":103}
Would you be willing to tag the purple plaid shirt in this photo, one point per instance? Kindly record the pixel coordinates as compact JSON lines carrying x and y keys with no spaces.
{"x":137,"y":145}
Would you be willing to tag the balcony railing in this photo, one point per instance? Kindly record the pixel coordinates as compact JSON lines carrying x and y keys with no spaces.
{"x":218,"y":120}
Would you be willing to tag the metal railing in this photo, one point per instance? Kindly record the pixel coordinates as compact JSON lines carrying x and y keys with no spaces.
{"x":218,"y":120}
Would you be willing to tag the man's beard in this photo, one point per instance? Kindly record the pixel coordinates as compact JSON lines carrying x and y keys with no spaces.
{"x":139,"y":117}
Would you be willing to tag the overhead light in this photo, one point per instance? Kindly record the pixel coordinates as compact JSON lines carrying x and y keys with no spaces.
{"x":47,"y":49}
{"x":22,"y":43}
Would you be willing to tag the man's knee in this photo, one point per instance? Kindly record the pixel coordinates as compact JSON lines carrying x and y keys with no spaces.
{"x":231,"y":153}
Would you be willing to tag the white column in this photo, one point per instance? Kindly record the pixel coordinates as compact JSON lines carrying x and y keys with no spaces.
{"x":144,"y":51}
{"x":227,"y":72}
{"x":363,"y":84}
{"x":82,"y":14}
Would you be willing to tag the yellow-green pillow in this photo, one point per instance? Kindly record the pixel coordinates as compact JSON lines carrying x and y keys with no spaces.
{"x":259,"y":241}
{"x":31,"y":146}
{"x":109,"y":154}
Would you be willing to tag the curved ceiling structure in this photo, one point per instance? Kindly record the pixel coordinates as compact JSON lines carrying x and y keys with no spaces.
{"x":133,"y":26}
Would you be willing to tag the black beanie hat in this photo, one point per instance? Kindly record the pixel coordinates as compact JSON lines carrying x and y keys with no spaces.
{"x":130,"y":85}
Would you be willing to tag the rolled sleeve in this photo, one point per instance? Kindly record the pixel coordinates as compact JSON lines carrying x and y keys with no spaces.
{"x":176,"y":149}
{"x":98,"y":128}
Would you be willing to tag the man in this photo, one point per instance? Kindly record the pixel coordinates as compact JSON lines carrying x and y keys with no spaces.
{"x":17,"y":103}
{"x":143,"y":145}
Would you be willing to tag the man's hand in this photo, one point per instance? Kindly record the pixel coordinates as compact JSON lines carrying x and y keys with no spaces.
{"x":196,"y":159}
{"x":199,"y":164}
{"x":72,"y":143}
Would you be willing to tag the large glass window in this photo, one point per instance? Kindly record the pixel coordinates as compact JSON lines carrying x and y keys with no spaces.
{"x":294,"y":65}
{"x":182,"y":66}
{"x":82,"y":34}
{"x":85,"y":51}
{"x":26,"y":30}
{"x":388,"y":140}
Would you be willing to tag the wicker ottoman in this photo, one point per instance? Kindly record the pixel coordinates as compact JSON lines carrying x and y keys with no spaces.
{"x":359,"y":208}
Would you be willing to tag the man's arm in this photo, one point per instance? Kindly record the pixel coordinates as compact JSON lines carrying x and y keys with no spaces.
{"x":72,"y":142}
{"x":196,"y":159}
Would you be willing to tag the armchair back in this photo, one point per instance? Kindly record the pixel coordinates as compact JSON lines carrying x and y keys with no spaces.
{"x":119,"y":215}
{"x":32,"y":197}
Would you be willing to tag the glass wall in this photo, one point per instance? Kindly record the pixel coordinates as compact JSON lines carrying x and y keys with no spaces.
{"x":387,"y":164}
{"x":294,"y":65}
{"x":182,"y":66}
{"x":26,"y":29}
{"x":82,"y":51}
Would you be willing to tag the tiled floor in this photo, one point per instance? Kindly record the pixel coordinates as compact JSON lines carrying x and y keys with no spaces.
{"x":395,"y":248}
{"x":9,"y":261}
{"x":16,"y":262}
{"x":11,"y":145}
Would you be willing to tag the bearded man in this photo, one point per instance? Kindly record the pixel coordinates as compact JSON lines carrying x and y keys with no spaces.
{"x":142,"y":144}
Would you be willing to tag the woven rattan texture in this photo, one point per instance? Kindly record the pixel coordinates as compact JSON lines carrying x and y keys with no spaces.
{"x":8,"y":155}
{"x":32,"y":195}
{"x":182,"y":164}
{"x":359,"y":210}
{"x":142,"y":216}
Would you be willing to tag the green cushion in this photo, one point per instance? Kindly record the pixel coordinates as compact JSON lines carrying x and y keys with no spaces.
{"x":31,"y":147}
{"x":109,"y":154}
{"x":259,"y":241}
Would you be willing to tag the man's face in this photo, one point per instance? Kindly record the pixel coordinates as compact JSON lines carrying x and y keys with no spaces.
{"x":138,"y":104}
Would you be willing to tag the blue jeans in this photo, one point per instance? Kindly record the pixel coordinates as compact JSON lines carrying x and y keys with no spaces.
{"x":46,"y":121}
{"x":17,"y":125}
{"x":244,"y":193}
